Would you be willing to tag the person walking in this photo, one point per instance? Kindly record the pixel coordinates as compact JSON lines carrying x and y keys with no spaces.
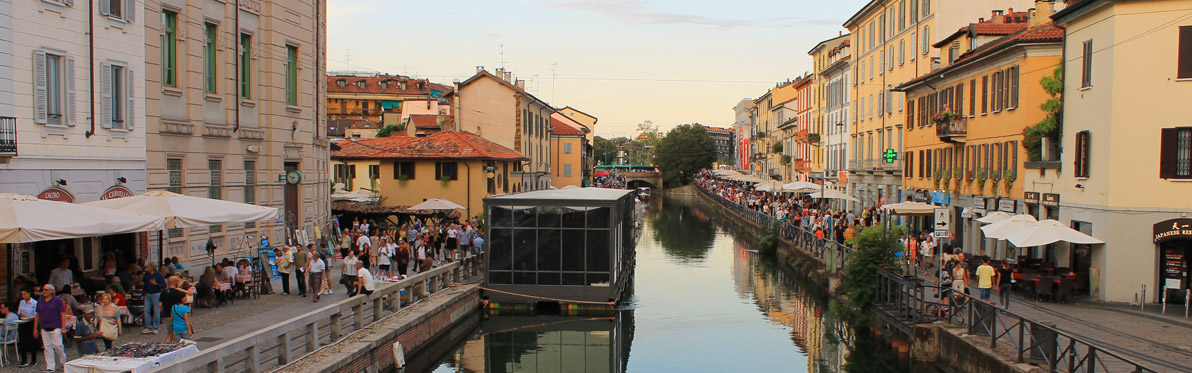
{"x":347,"y":272}
{"x":301,"y":260}
{"x":478,"y":242}
{"x":364,"y":281}
{"x":154,"y":284}
{"x":172,"y":295}
{"x":27,"y":345}
{"x":385,"y":256}
{"x":47,"y":326}
{"x":402,"y":257}
{"x":316,"y":267}
{"x":986,"y":279}
{"x":181,"y":319}
{"x":285,"y":259}
{"x":107,"y":314}
{"x":1005,"y":281}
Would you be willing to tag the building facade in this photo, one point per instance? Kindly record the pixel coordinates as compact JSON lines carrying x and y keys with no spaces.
{"x":584,"y":119}
{"x":743,"y":131}
{"x":497,"y":107}
{"x":824,"y":55}
{"x":832,"y":61}
{"x":371,"y":96}
{"x":725,"y":140}
{"x":572,"y":152}
{"x":804,"y":139}
{"x":236,"y":110}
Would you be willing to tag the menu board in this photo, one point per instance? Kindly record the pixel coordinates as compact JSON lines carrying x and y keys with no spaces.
{"x":1174,"y":265}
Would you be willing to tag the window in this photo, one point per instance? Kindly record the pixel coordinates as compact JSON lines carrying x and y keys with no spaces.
{"x":1013,"y":87}
{"x":214,"y":191}
{"x":374,"y":171}
{"x":123,"y":10}
{"x":174,"y":173}
{"x":566,"y":170}
{"x":1086,"y":66}
{"x":930,"y":165}
{"x":1082,"y":154}
{"x":910,"y":115}
{"x":446,"y":171}
{"x":403,"y":170}
{"x":901,"y":52}
{"x":245,"y":66}
{"x":209,"y":62}
{"x":1185,"y":53}
{"x":250,"y":182}
{"x":984,"y":94}
{"x":959,"y":106}
{"x":344,"y":174}
{"x":169,"y":48}
{"x":908,"y":165}
{"x":53,"y":81}
{"x":116,"y":104}
{"x":998,"y":87}
{"x":926,"y":7}
{"x":566,"y":148}
{"x":926,"y":40}
{"x":902,"y":15}
{"x":972,"y":97}
{"x":291,"y":75}
{"x":115,"y":91}
{"x":1175,"y":155}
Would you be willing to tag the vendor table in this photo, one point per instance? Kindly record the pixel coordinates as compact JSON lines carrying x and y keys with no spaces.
{"x":95,"y":363}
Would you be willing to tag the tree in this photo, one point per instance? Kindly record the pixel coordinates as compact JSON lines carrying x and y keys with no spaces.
{"x":391,"y":129}
{"x":686,"y":150}
{"x":1032,"y":137}
{"x":876,"y":248}
{"x":605,"y":150}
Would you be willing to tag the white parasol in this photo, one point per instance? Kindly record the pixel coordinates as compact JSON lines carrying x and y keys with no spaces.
{"x":1049,"y":231}
{"x":436,"y":204}
{"x":183,"y":211}
{"x":24,"y":218}
{"x":1008,"y":226}
{"x":994,"y":217}
{"x":909,"y":208}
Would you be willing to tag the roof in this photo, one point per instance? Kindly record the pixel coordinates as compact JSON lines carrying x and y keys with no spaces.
{"x":507,"y":84}
{"x":1073,"y":7}
{"x":826,"y":43}
{"x":372,"y":84}
{"x":1003,"y":24}
{"x":578,"y":111}
{"x":427,"y":121}
{"x":442,"y":145}
{"x":337,"y":127}
{"x":859,"y":15}
{"x":586,"y":194}
{"x":1046,"y":33}
{"x":562,"y":128}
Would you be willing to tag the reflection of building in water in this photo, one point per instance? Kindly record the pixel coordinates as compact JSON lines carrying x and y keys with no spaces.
{"x":549,"y":344}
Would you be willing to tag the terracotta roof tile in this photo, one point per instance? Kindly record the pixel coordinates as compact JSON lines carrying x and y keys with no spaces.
{"x":560,"y":128}
{"x":372,"y":84}
{"x":442,"y":145}
{"x":1045,"y":33}
{"x":426,"y":121}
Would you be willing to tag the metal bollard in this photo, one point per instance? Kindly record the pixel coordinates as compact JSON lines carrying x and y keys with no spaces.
{"x":1142,"y":301}
{"x":1163,"y":301}
{"x":1187,"y":301}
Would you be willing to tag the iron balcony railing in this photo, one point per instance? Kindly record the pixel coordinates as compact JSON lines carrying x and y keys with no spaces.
{"x":8,"y":136}
{"x":953,"y":127}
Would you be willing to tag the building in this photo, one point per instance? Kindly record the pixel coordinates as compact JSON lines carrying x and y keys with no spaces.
{"x":235,"y":110}
{"x":824,"y":55}
{"x":891,"y":44}
{"x":832,"y":59}
{"x":963,"y":147}
{"x":371,"y":96}
{"x":1126,"y":140}
{"x":724,"y":139}
{"x":584,"y":119}
{"x":572,"y":151}
{"x":72,"y":119}
{"x":803,"y":140}
{"x":459,"y":166}
{"x":743,"y":131}
{"x":352,"y":128}
{"x":771,"y":116}
{"x":497,"y":107}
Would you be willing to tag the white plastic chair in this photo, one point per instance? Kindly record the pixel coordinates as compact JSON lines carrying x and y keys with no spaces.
{"x":5,"y":342}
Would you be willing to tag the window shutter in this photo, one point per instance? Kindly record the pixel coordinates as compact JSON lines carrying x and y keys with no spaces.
{"x":130,"y":112}
{"x":1185,"y":53}
{"x":438,"y":170}
{"x":105,"y":90}
{"x":105,"y":7}
{"x":40,"y":114}
{"x":1014,"y":86}
{"x":1167,"y":151}
{"x":973,"y":97}
{"x":70,"y":91}
{"x":960,"y":99}
{"x":130,"y":10}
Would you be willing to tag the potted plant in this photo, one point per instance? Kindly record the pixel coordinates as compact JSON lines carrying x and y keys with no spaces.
{"x":935,"y":180}
{"x":444,"y":179}
{"x":1010,"y":176}
{"x":996,"y":175}
{"x":813,"y":138}
{"x":981,"y":177}
{"x":401,"y":180}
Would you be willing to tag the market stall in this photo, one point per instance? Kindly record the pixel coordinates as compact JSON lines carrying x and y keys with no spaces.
{"x":132,"y":357}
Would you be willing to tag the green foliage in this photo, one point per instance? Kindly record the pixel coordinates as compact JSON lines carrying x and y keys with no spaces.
{"x":443,"y":180}
{"x":767,"y":243}
{"x":391,"y":129}
{"x":981,"y":177}
{"x":776,"y":148}
{"x":686,"y":150}
{"x":876,"y":247}
{"x":786,"y":160}
{"x":605,"y":150}
{"x":814,"y":137}
{"x":1032,"y":136}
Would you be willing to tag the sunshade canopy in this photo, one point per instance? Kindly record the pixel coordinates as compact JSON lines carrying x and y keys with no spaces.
{"x":436,"y":204}
{"x":1048,"y":231}
{"x":768,"y":185}
{"x":1008,"y":226}
{"x":183,"y":211}
{"x":24,"y":218}
{"x":800,"y":186}
{"x":909,"y":208}
{"x":995,"y":217}
{"x":832,"y":194}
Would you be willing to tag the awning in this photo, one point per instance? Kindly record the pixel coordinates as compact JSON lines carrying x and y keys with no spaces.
{"x":1049,"y":231}
{"x":994,"y":217}
{"x":832,"y":194}
{"x":909,"y":208}
{"x":1008,"y":226}
{"x":24,"y":218}
{"x":183,"y":211}
{"x":390,"y":104}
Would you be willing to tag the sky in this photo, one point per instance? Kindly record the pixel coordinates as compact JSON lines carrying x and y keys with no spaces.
{"x":623,"y":61}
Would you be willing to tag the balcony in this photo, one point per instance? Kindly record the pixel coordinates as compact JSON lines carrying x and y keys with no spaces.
{"x":8,"y":136}
{"x":800,"y":136}
{"x":802,"y":166}
{"x":951,"y":128}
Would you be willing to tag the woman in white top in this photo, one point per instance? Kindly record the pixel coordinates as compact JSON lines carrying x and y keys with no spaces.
{"x":348,"y":270}
{"x":384,"y":259}
{"x":420,"y":257}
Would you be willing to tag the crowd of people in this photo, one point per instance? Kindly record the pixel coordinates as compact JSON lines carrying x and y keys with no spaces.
{"x":614,"y":181}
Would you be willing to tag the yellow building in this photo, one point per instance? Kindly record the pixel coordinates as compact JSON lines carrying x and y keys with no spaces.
{"x":455,"y":165}
{"x":572,"y":160}
{"x":963,"y":147}
{"x":585,"y":119}
{"x":498,"y":107}
{"x":372,"y":96}
{"x":891,"y":42}
{"x":771,"y":112}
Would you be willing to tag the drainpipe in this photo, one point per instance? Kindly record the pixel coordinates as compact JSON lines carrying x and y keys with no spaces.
{"x":236,"y":42}
{"x":468,"y":191}
{"x":90,"y":66}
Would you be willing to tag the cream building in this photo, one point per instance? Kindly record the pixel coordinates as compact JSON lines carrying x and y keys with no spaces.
{"x":236,"y":110}
{"x":833,"y":61}
{"x":497,"y":107}
{"x":743,"y":130}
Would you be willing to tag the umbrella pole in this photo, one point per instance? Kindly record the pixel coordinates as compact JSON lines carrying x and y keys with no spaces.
{"x":160,"y":248}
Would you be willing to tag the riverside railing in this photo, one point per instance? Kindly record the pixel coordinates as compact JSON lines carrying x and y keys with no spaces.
{"x":905,"y":301}
{"x":277,"y":345}
{"x":833,"y":254}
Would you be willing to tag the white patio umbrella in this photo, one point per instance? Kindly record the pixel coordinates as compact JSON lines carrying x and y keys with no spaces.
{"x":183,"y":211}
{"x":995,"y":217}
{"x":436,"y":204}
{"x":768,"y":186}
{"x":909,"y":208}
{"x":800,"y":187}
{"x":24,"y":218}
{"x":1008,"y":226}
{"x":832,"y":194}
{"x":1049,"y":231}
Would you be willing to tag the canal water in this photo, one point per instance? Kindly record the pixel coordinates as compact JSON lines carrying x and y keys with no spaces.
{"x":702,"y":300}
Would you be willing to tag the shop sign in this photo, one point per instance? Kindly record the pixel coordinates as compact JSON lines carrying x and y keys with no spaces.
{"x":978,"y":203}
{"x":56,"y":194}
{"x":940,"y":198}
{"x":991,"y":204}
{"x":117,"y":191}
{"x":1007,"y":205}
{"x":1051,"y":199}
{"x":842,"y":178}
{"x":1030,"y":197}
{"x":1174,"y":229}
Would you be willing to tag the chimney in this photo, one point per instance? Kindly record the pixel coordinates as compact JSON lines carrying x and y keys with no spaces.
{"x":500,"y":73}
{"x":521,"y":84}
{"x":1043,"y":11}
{"x":508,"y":76}
{"x":479,"y":68}
{"x":996,"y":17}
{"x":981,"y":20}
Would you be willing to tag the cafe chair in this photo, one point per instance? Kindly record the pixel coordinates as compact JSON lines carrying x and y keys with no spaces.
{"x":1045,"y":287}
{"x":1065,"y":291}
{"x":5,"y":342}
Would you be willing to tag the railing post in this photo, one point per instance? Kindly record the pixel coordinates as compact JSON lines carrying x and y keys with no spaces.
{"x":254,"y":359}
{"x":335,"y":334}
{"x":312,"y":336}
{"x":216,"y":366}
{"x":378,"y":307}
{"x":283,"y":347}
{"x":1021,"y":342}
{"x":358,"y":316}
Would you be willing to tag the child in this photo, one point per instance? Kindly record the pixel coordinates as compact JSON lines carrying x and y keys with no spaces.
{"x":181,"y":319}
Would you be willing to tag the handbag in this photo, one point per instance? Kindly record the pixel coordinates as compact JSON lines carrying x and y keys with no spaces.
{"x":109,"y":329}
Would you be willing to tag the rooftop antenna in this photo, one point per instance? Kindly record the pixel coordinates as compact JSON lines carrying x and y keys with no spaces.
{"x":553,"y":74}
{"x":348,"y":58}
{"x":502,"y":47}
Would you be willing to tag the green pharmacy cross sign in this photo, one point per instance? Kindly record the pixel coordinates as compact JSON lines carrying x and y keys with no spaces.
{"x":889,"y":156}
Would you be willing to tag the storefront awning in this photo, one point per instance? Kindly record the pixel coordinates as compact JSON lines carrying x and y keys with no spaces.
{"x":24,"y":218}
{"x":183,"y":211}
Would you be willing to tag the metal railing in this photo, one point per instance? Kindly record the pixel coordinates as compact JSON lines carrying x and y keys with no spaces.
{"x":8,"y":135}
{"x":833,"y":254}
{"x":904,"y":301}
{"x":957,"y":127}
{"x":285,"y":342}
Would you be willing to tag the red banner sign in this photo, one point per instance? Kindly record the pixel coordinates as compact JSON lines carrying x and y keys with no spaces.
{"x":117,"y":191}
{"x":56,"y":194}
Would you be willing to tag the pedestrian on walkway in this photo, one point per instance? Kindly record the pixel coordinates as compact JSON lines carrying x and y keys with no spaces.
{"x":385,"y":256}
{"x":85,"y":332}
{"x":316,"y":268}
{"x":347,"y":273}
{"x":478,"y":242}
{"x":986,"y":279}
{"x":27,"y":346}
{"x":364,"y":281}
{"x":169,"y":297}
{"x":154,"y":284}
{"x":1005,"y":281}
{"x":285,"y":260}
{"x":402,"y":257}
{"x":181,"y":319}
{"x":47,"y":326}
{"x":301,"y":261}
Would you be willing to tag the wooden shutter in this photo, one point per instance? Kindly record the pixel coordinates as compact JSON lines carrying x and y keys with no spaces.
{"x":40,"y":104}
{"x":105,"y":90}
{"x":1086,"y":73}
{"x":922,"y":159}
{"x":985,"y":94}
{"x":909,"y":165}
{"x":130,"y":10}
{"x":105,"y":7}
{"x":1014,"y":86}
{"x":1185,"y":53}
{"x":70,"y":91}
{"x":130,"y":111}
{"x":1167,"y":152}
{"x":973,"y":97}
{"x":910,"y":115}
{"x":960,"y":99}
{"x":1081,"y":158}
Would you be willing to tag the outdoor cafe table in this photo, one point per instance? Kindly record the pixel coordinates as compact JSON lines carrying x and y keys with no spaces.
{"x":95,"y":363}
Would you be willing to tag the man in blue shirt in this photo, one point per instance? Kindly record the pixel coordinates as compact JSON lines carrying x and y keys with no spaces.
{"x":154,"y":284}
{"x":10,"y":321}
{"x":85,"y":332}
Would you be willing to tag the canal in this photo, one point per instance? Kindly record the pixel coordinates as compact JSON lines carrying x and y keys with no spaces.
{"x":702,"y":300}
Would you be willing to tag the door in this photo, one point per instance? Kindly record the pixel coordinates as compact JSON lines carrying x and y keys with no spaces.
{"x":291,"y":198}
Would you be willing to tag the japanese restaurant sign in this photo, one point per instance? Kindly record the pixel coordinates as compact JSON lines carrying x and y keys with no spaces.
{"x":1174,"y":229}
{"x":1051,"y":199}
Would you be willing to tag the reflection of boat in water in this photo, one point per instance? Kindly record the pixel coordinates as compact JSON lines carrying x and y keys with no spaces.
{"x":566,"y":246}
{"x":643,"y":193}
{"x":548,"y":344}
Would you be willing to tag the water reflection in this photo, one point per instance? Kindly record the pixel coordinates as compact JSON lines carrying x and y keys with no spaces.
{"x":701,"y":300}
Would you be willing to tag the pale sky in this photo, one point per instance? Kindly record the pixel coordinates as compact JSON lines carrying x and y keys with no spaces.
{"x":623,"y":61}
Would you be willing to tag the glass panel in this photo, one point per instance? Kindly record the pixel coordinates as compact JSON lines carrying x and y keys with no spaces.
{"x":523,"y":278}
{"x":549,"y":216}
{"x":500,"y":277}
{"x":598,"y":279}
{"x":573,"y":250}
{"x":573,"y":217}
{"x":523,"y":216}
{"x":501,"y":216}
{"x":573,"y":279}
{"x":524,"y":244}
{"x":548,"y":249}
{"x":548,"y":278}
{"x":597,"y":251}
{"x":598,"y":217}
{"x":500,"y":250}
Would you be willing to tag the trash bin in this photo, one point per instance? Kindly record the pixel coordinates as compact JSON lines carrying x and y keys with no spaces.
{"x":1043,"y":344}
